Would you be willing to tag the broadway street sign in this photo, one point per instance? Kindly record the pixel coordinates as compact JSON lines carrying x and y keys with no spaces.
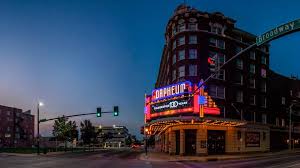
{"x":278,"y":31}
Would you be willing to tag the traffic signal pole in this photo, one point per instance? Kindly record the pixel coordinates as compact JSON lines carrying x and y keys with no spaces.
{"x":69,"y":116}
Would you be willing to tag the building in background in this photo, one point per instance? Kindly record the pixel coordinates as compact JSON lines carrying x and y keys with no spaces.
{"x":16,"y":127}
{"x":236,"y":111}
{"x":112,"y":136}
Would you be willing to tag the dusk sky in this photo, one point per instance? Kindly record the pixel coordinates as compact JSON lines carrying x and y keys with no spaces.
{"x":77,"y":55}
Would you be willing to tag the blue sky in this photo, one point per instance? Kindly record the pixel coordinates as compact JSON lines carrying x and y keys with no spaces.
{"x":75,"y":55}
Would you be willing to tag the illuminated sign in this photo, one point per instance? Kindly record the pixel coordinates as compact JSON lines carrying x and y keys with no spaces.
{"x":170,"y":101}
{"x":171,"y":90}
{"x":171,"y":105}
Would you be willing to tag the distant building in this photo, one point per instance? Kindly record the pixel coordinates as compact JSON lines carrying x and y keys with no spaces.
{"x":112,"y":136}
{"x":16,"y":127}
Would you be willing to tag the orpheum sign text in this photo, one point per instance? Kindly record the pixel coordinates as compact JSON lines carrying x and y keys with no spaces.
{"x":171,"y":90}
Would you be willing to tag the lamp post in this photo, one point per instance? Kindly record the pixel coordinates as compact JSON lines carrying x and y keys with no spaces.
{"x":38,"y":126}
{"x":290,"y":127}
{"x":290,"y":123}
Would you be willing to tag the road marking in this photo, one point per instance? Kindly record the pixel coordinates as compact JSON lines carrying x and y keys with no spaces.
{"x":184,"y":165}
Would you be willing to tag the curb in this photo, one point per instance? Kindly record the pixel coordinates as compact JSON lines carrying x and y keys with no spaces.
{"x":209,"y":159}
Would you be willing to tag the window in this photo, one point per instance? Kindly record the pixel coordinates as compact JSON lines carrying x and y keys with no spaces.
{"x":252,"y":99}
{"x":252,"y":83}
{"x":283,"y":100}
{"x":264,"y":48}
{"x":216,"y":28}
{"x":174,"y":59}
{"x":17,"y":136}
{"x":181,"y":41}
{"x":263,"y":86}
{"x":8,"y":129}
{"x":193,"y":39}
{"x":8,"y":113}
{"x":238,"y":49}
{"x":217,"y":91}
{"x":239,"y":63}
{"x":252,"y":68}
{"x":263,"y":101}
{"x":264,"y":118}
{"x":263,"y":73}
{"x":174,"y":44}
{"x":212,"y":42}
{"x":193,"y":70}
{"x":192,"y":26}
{"x":220,"y":75}
{"x":174,"y":30}
{"x":282,"y":122}
{"x":193,"y":54}
{"x":219,"y":57}
{"x":181,"y":27}
{"x":277,"y":121}
{"x":181,"y":71}
{"x":252,"y":55}
{"x":174,"y":75}
{"x":239,"y":78}
{"x":263,"y":60}
{"x":181,"y":55}
{"x":239,"y":96}
{"x":217,"y":43}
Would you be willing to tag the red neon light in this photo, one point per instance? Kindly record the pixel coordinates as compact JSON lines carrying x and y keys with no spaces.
{"x":212,"y":110}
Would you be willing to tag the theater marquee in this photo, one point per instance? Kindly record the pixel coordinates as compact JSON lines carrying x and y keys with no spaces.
{"x":182,"y":97}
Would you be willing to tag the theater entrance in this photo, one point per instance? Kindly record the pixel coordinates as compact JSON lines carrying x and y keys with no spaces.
{"x":190,"y":141}
{"x":215,"y":142}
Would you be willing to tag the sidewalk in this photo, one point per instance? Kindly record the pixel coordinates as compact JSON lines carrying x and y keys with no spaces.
{"x":160,"y":156}
{"x":42,"y":154}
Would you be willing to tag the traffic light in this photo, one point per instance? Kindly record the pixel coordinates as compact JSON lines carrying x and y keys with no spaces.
{"x":116,"y":110}
{"x":99,"y":112}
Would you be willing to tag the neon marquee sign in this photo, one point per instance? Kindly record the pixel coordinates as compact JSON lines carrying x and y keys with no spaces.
{"x":171,"y":90}
{"x":177,"y":99}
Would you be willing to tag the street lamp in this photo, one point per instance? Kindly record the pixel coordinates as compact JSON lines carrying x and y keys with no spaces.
{"x":40,"y":104}
{"x":294,"y":102}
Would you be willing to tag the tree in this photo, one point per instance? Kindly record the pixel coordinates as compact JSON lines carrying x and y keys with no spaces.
{"x":73,"y":131}
{"x":64,"y":130}
{"x":88,"y":133}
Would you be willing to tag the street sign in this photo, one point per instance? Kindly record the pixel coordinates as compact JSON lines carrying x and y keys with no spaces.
{"x":278,"y":31}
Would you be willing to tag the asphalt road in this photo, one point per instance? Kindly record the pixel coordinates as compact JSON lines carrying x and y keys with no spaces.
{"x":129,"y":158}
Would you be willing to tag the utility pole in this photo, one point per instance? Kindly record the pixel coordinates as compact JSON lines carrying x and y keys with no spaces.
{"x":38,"y":129}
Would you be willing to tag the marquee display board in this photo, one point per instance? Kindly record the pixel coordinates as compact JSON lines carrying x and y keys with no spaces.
{"x":177,"y":99}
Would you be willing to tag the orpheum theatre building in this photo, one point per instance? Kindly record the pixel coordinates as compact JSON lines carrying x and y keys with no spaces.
{"x":231,"y":113}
